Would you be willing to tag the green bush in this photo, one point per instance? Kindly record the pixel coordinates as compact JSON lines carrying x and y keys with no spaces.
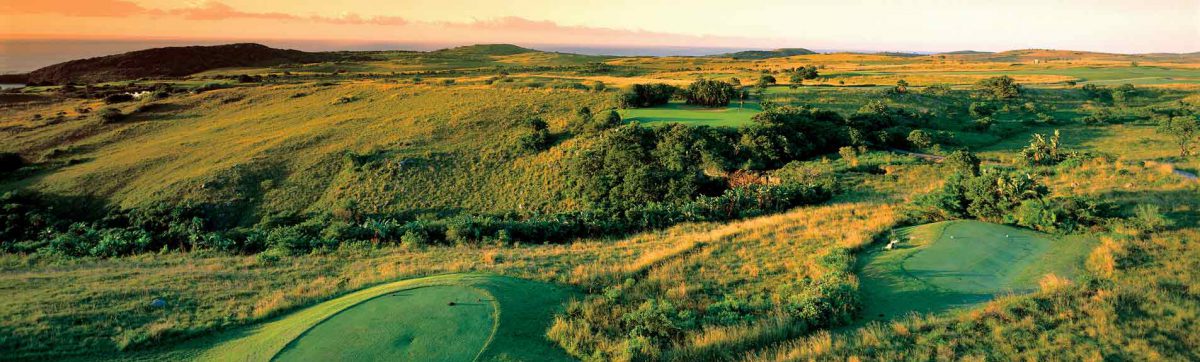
{"x":711,"y":93}
{"x":646,"y":95}
{"x":110,"y":115}
{"x":118,"y":98}
{"x":1149,"y":218}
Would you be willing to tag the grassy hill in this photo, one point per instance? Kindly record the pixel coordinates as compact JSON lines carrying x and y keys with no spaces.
{"x":767,"y":54}
{"x":485,"y":49}
{"x":252,"y":215}
{"x":169,"y":62}
{"x":296,"y":148}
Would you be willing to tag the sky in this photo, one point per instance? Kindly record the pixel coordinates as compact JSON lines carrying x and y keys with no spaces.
{"x":1122,"y":26}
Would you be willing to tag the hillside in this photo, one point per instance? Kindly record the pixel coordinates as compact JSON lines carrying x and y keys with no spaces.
{"x":1044,"y":55}
{"x":297,"y":148}
{"x":485,"y":49}
{"x":168,"y":62}
{"x":965,"y":52}
{"x":767,"y":54}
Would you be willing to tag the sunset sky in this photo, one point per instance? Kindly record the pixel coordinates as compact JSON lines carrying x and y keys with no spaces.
{"x":914,"y":25}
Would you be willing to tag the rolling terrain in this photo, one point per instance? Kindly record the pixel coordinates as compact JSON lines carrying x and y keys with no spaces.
{"x":494,"y":202}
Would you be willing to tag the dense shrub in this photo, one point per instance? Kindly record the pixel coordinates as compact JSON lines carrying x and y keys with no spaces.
{"x":1044,"y":151}
{"x":118,"y":98}
{"x":646,"y":95}
{"x":244,"y":78}
{"x":877,"y":124}
{"x":110,"y":115}
{"x":1061,"y":214}
{"x":1149,"y":218}
{"x":1001,"y":88}
{"x":536,"y":138}
{"x":710,"y":93}
{"x":783,"y":134}
{"x":988,"y":195}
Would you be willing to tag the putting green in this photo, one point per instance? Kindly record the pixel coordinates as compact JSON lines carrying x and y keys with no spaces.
{"x":408,"y":325}
{"x":948,"y":265}
{"x":678,"y":112}
{"x":492,"y":318}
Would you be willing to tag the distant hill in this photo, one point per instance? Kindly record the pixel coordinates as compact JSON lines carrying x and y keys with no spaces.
{"x":169,"y":62}
{"x":1028,"y":55}
{"x":964,"y":52}
{"x":765,"y":54}
{"x":900,"y":54}
{"x":486,"y":49}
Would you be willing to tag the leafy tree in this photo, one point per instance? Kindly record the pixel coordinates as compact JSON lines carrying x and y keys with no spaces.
{"x":1122,"y":93}
{"x":766,"y":80}
{"x":782,"y":134}
{"x":901,"y":86}
{"x":1095,"y":92}
{"x":920,"y":139}
{"x":962,"y":162}
{"x":981,"y":109}
{"x":646,"y":95}
{"x":710,"y":93}
{"x":1002,"y":88}
{"x":993,"y":195}
{"x":806,"y":72}
{"x":537,"y":137}
{"x":1184,"y":130}
{"x":796,"y":79}
{"x":612,"y":120}
{"x":619,"y":171}
{"x":878,"y":124}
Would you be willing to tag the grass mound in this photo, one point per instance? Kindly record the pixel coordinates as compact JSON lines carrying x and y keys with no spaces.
{"x":953,"y":264}
{"x":491,"y":318}
{"x":676,"y":112}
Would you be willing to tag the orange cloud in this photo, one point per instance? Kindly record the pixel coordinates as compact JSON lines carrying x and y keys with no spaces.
{"x":96,"y":8}
{"x":208,"y":10}
{"x":215,"y":19}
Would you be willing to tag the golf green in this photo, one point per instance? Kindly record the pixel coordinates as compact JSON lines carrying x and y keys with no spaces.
{"x":436,"y":323}
{"x":734,"y":115}
{"x":451,"y":317}
{"x":948,"y":265}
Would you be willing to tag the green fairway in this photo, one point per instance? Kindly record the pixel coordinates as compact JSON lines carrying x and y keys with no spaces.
{"x":677,"y":112}
{"x":492,"y":318}
{"x":953,"y":264}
